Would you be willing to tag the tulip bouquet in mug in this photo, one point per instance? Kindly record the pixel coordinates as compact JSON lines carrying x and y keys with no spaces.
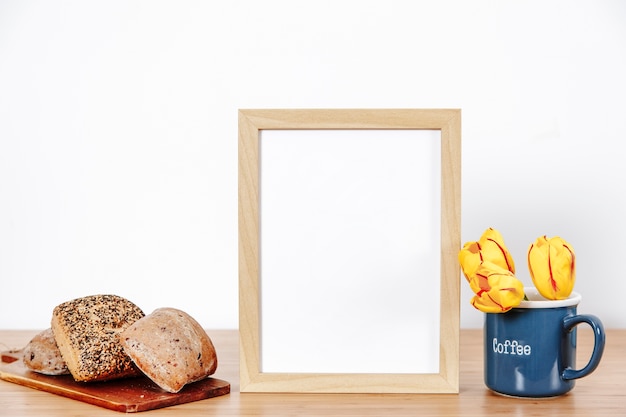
{"x":530,"y":350}
{"x":489,"y":268}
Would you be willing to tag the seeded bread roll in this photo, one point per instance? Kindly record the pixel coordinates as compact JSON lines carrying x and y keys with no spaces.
{"x":87,"y":331}
{"x":42,"y":355}
{"x":171,"y":348}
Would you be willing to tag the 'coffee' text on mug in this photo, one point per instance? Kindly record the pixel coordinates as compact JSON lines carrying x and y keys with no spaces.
{"x":511,"y":348}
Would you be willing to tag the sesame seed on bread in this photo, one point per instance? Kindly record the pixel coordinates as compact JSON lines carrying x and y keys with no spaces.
{"x":87,"y":332}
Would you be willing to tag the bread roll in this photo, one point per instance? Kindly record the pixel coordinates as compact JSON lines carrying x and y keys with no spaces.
{"x":87,"y":331}
{"x":171,"y":348}
{"x":42,"y":355}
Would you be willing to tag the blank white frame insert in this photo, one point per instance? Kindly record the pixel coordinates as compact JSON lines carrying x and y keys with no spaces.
{"x":345,"y":241}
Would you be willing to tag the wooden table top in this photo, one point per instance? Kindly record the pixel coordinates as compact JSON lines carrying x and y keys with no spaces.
{"x":603,"y":393}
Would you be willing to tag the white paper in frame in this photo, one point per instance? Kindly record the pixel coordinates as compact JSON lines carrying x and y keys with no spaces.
{"x":349,"y":229}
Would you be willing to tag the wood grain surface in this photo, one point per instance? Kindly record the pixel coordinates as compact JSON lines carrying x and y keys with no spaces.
{"x":603,"y":393}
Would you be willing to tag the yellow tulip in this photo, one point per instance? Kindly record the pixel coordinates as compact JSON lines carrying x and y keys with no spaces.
{"x":490,"y":248}
{"x":497,"y":289}
{"x":552,"y":267}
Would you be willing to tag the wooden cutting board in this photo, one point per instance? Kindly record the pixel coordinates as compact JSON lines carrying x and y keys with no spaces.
{"x":126,"y":395}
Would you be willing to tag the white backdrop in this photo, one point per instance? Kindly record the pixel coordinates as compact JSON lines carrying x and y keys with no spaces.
{"x":118,"y":130}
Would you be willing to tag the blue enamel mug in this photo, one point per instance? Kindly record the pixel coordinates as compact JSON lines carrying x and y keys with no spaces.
{"x":530,"y":351}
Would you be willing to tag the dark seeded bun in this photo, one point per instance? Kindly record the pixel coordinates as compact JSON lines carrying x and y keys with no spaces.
{"x":87,"y":331}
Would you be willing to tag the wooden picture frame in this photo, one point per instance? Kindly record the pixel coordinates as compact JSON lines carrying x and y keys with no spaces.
{"x":252,"y":124}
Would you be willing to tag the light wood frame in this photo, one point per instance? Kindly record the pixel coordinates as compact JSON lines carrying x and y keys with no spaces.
{"x":251,"y":122}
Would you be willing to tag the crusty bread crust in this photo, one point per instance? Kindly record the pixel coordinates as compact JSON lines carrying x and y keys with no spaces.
{"x":171,"y":348}
{"x":87,"y":331}
{"x":42,"y":355}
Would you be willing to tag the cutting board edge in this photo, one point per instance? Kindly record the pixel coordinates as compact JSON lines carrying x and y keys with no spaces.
{"x":174,"y":399}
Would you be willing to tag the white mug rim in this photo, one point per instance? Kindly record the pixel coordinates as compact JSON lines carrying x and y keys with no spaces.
{"x":536,"y":300}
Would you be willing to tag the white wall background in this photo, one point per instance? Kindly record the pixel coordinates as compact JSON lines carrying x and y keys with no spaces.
{"x":118,"y":128}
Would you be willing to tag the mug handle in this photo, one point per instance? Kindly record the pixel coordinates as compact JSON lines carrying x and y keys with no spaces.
{"x":598,"y":345}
